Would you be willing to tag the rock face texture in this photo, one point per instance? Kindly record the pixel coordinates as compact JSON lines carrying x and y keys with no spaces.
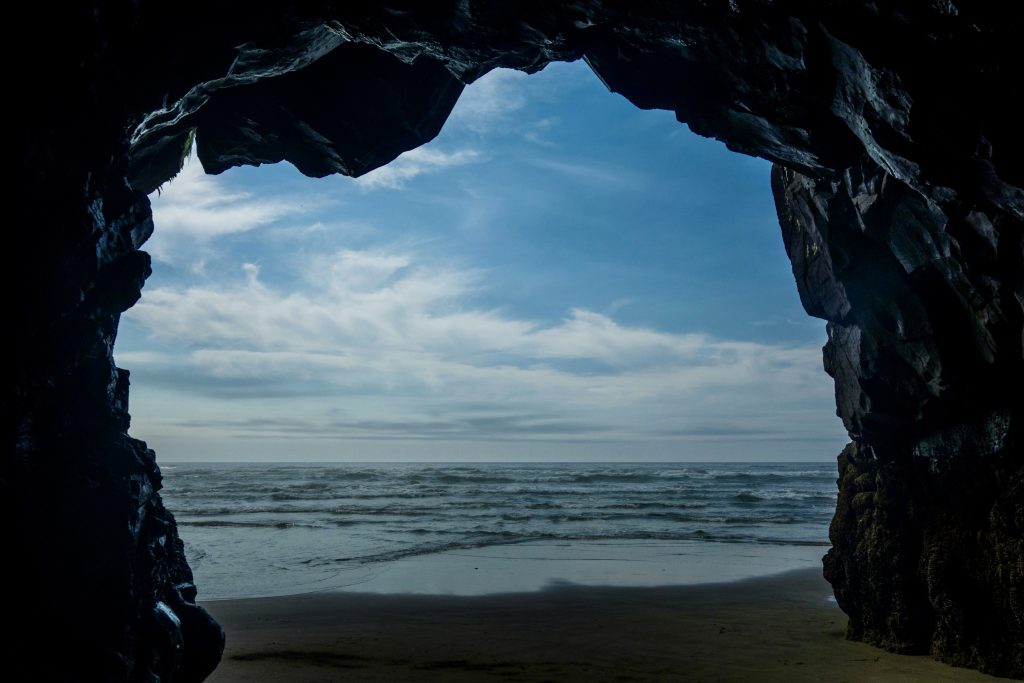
{"x":923,"y":299}
{"x":898,"y":177}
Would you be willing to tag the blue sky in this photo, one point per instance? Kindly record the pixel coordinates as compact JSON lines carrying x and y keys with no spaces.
{"x":557,"y":276}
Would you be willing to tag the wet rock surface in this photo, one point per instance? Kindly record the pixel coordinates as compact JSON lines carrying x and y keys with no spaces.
{"x":929,"y":562}
{"x":898,"y":184}
{"x":923,"y":297}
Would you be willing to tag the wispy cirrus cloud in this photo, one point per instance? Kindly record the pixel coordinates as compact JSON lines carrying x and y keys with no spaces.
{"x":413,"y":163}
{"x":491,"y":103}
{"x":384,"y":324}
{"x":593,"y":173}
{"x":195,"y":208}
{"x":499,"y":104}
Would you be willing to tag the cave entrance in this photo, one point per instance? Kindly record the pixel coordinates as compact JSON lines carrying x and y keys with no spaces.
{"x":557,"y":278}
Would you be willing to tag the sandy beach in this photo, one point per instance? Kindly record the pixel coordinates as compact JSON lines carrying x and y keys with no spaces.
{"x":777,"y":628}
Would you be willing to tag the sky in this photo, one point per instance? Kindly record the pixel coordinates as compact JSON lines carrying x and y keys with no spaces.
{"x":557,"y":276}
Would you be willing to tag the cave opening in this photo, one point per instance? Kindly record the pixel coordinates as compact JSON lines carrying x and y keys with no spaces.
{"x":557,"y":277}
{"x":897,"y":182}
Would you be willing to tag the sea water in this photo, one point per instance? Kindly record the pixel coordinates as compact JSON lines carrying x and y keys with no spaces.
{"x":272,"y":529}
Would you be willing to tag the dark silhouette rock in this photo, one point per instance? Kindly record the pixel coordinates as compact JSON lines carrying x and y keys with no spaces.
{"x":923,"y":298}
{"x":929,"y":562}
{"x":898,"y":178}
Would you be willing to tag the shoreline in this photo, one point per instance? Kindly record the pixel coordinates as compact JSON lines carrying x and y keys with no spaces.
{"x":530,"y":566}
{"x":780,"y":627}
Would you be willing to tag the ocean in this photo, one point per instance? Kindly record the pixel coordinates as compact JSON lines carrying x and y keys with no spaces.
{"x":274,"y":529}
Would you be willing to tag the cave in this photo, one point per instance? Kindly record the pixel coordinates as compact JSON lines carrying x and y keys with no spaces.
{"x":897,"y":180}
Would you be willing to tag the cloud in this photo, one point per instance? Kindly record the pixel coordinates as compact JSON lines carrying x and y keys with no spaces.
{"x":404,"y":338}
{"x":596,"y":173}
{"x":454,"y":427}
{"x":489,"y":103}
{"x":196,"y":208}
{"x":504,"y":103}
{"x":148,"y":358}
{"x":414,"y":163}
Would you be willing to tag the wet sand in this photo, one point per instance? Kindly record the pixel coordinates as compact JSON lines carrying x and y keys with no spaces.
{"x":780,"y":628}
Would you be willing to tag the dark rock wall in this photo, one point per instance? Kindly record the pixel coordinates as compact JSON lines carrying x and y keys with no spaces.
{"x":923,"y":299}
{"x":931,"y":563}
{"x":898,"y":151}
{"x":96,"y":583}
